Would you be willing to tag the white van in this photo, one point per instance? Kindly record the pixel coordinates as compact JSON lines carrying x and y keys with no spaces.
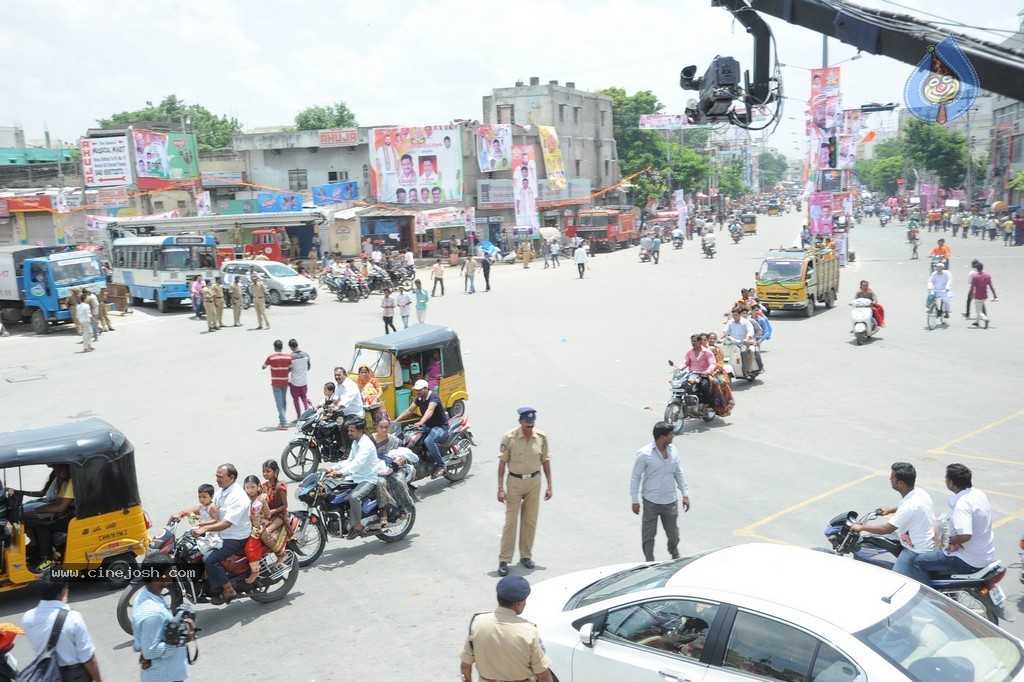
{"x":282,"y":283}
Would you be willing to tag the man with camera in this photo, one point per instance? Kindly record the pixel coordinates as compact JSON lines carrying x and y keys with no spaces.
{"x":161,"y":635}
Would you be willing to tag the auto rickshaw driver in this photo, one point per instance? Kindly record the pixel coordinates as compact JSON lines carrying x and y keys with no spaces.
{"x":42,"y":521}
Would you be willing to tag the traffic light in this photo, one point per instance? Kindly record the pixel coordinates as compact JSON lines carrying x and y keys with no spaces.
{"x":833,"y":152}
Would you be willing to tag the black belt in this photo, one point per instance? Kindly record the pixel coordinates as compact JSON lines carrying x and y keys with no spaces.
{"x":525,"y":477}
{"x":72,"y":667}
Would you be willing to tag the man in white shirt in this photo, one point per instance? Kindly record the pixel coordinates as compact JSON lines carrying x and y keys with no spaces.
{"x":298,"y":377}
{"x":410,"y":261}
{"x":350,"y":401}
{"x":234,"y":527}
{"x":579,"y":256}
{"x":940,"y":283}
{"x":657,"y":467}
{"x":83,"y":313}
{"x":76,"y":653}
{"x":740,"y":330}
{"x":361,"y":465}
{"x":972,"y":544}
{"x":913,"y":520}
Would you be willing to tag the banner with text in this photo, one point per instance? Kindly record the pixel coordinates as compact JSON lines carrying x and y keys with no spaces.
{"x":106,"y":161}
{"x":416,"y":160}
{"x":494,"y":147}
{"x":339,"y":137}
{"x":444,"y":217}
{"x":665,"y":122}
{"x":553,"y":163}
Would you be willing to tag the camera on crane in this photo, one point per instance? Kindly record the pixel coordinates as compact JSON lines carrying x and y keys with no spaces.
{"x":719,"y":88}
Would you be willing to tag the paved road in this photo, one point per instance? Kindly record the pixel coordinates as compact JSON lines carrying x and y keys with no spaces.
{"x":813,"y":439}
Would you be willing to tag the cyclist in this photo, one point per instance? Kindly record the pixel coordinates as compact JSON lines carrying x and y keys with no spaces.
{"x":940,"y":283}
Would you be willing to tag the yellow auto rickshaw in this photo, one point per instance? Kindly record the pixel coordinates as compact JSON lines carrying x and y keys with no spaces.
{"x":774,"y":209}
{"x":423,"y":351}
{"x":92,"y":464}
{"x":749,"y":223}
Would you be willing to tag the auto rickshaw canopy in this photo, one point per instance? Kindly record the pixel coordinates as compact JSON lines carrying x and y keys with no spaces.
{"x":417,"y":338}
{"x":101,"y":459}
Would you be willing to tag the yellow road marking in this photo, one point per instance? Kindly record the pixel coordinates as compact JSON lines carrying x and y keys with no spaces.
{"x":983,"y":458}
{"x":1003,"y":521}
{"x":941,"y":450}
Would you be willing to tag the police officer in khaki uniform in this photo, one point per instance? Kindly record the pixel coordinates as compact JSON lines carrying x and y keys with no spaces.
{"x":259,"y":301}
{"x":218,"y":301}
{"x":74,"y":298}
{"x":501,"y":644}
{"x":525,"y":452}
{"x":236,"y":301}
{"x":104,"y":316}
{"x":209,"y":307}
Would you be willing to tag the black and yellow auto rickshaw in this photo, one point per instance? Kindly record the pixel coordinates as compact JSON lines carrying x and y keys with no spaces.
{"x":749,"y":223}
{"x":91,"y":463}
{"x":774,"y":208}
{"x":423,"y":351}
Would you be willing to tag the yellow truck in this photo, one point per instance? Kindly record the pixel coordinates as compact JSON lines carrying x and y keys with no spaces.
{"x":798,"y":279}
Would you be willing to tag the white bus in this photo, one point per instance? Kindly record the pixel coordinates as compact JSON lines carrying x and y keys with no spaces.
{"x":161,"y":269}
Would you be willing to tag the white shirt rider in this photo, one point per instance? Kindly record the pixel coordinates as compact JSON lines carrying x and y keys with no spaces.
{"x":708,"y":239}
{"x":350,"y":401}
{"x":941,"y":282}
{"x":915,"y":521}
{"x":972,"y":515}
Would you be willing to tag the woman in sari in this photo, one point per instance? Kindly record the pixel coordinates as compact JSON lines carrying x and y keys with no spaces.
{"x":721,"y":392}
{"x":392,"y":492}
{"x":369,"y":388}
{"x":434,"y":370}
{"x":277,"y":521}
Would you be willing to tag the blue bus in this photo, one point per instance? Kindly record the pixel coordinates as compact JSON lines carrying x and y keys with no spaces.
{"x":161,"y":269}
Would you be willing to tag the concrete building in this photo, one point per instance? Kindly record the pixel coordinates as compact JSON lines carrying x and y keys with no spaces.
{"x":12,"y":136}
{"x":1007,"y":135}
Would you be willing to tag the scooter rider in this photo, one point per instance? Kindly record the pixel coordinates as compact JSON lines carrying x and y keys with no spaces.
{"x":940,"y":283}
{"x":677,"y":237}
{"x":741,"y":331}
{"x":877,"y":311}
{"x":707,"y":241}
{"x":913,"y":520}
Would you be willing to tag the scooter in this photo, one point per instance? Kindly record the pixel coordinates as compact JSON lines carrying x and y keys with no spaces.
{"x":709,"y":249}
{"x":978,"y":591}
{"x":863,"y":319}
{"x":734,"y":360}
{"x":677,"y":242}
{"x":736,"y":233}
{"x":645,"y":255}
{"x":883,"y":219}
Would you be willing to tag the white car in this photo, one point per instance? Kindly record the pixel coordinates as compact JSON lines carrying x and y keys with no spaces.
{"x":763,"y":612}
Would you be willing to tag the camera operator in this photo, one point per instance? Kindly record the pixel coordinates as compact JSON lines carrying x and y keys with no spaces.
{"x":162,"y":649}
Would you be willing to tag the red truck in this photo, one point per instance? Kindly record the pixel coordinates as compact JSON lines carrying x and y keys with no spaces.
{"x":607,"y":228}
{"x":269,"y":242}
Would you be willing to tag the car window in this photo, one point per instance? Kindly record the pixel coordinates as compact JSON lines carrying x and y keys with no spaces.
{"x":769,"y":649}
{"x":832,"y":666}
{"x":643,"y":577}
{"x":675,"y":626}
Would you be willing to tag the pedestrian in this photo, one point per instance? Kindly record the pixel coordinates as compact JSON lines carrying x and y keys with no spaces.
{"x":502,"y":645}
{"x":159,"y":658}
{"x":954,"y":222}
{"x":404,"y":303}
{"x":1018,"y":229}
{"x":76,"y":654}
{"x":298,"y":377}
{"x":805,"y":237}
{"x":387,"y":306}
{"x":526,"y":251}
{"x":259,"y":301}
{"x":993,"y":228}
{"x":979,"y":284}
{"x":316,"y":244}
{"x":104,"y":313}
{"x":218,"y":301}
{"x":545,"y":251}
{"x":3,"y":332}
{"x":485,"y":266}
{"x":83,"y":315}
{"x":421,"y":302}
{"x":579,"y":256}
{"x":915,"y":241}
{"x":1008,"y":228}
{"x":367,"y":248}
{"x":74,"y":298}
{"x":94,"y":311}
{"x":280,"y":363}
{"x":236,"y":301}
{"x":656,"y":476}
{"x":656,"y":248}
{"x":556,"y":249}
{"x":196,"y":294}
{"x":471,"y":273}
{"x":437,"y":272}
{"x":209,"y":307}
{"x":524,"y":452}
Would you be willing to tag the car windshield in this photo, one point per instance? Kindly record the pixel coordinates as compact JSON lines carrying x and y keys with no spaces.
{"x":636,"y":579}
{"x":781,"y":271}
{"x":931,"y":634}
{"x":278,"y":270}
{"x":377,"y":360}
{"x":71,"y":270}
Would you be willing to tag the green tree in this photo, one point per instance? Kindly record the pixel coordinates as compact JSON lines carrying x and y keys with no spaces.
{"x":730,"y":179}
{"x":935,"y":148}
{"x":772,"y":168}
{"x":212,"y":132}
{"x":319,"y":117}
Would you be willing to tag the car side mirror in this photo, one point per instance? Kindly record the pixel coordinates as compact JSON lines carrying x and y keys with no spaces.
{"x":587,"y":634}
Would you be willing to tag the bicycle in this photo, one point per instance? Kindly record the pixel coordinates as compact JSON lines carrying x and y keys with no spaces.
{"x":936,"y":311}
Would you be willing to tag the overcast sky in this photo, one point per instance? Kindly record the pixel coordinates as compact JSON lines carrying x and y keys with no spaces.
{"x":68,"y":63}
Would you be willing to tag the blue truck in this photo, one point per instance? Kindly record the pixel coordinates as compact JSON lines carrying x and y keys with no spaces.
{"x":36,"y":281}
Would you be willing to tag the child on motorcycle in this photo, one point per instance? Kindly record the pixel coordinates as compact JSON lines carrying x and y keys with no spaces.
{"x":205,"y":511}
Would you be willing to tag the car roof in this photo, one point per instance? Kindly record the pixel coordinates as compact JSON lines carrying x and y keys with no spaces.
{"x":847,"y":593}
{"x":71,"y":443}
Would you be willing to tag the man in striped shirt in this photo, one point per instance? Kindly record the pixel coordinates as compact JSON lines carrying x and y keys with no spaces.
{"x":280,"y":363}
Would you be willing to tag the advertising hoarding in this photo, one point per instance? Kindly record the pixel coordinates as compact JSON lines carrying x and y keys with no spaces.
{"x":416,"y":159}
{"x":106,"y":161}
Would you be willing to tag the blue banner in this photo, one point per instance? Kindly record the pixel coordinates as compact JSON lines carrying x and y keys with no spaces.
{"x":278,"y":203}
{"x":335,"y":193}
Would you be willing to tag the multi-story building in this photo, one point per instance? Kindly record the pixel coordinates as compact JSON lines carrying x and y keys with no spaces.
{"x":1007,"y":134}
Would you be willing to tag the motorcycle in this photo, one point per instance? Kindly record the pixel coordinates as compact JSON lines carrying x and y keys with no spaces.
{"x":319,"y":440}
{"x":709,"y":249}
{"x":456,"y":449}
{"x":686,"y":401}
{"x":645,"y":255}
{"x":677,"y":242}
{"x":327,"y":514}
{"x":978,"y":591}
{"x":863,"y":319}
{"x":883,"y":219}
{"x":350,"y":289}
{"x":939,"y":259}
{"x":246,"y":297}
{"x":274,"y":581}
{"x":736,"y":233}
{"x":734,"y":359}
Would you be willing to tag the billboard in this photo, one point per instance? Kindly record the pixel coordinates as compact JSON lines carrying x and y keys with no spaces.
{"x":106,"y":161}
{"x":338,"y":137}
{"x":444,"y":217}
{"x":494,"y":147}
{"x":114,"y":197}
{"x":278,"y":203}
{"x":164,"y":158}
{"x":417,"y":159}
{"x":234,"y":206}
{"x":335,"y":193}
{"x":524,"y":167}
{"x":552,"y":157}
{"x":501,"y":193}
{"x":819,"y":213}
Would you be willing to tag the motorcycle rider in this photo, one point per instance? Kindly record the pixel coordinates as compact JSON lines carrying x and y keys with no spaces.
{"x":707,"y":240}
{"x":234,"y":526}
{"x":361,"y":465}
{"x":913,"y":520}
{"x":433,"y":421}
{"x":348,"y":402}
{"x":942,"y":251}
{"x":972,"y":544}
{"x":741,"y":331}
{"x":940,"y":283}
{"x":701,"y":360}
{"x":677,"y":237}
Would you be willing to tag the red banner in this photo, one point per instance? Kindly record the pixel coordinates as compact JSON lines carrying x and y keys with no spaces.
{"x":34,"y":203}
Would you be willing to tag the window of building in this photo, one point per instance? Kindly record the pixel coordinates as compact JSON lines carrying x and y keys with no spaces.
{"x":297,"y":180}
{"x":576,"y":114}
{"x":181,"y":204}
{"x":158,"y":205}
{"x":604,"y":115}
{"x":607,"y":167}
{"x":506,"y":113}
{"x":561,"y":113}
{"x":337,"y":176}
{"x":577,"y":168}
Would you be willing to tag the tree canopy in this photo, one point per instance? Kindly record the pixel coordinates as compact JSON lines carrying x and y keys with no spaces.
{"x":212,"y":131}
{"x":772,"y":168}
{"x":935,"y":148}
{"x":318,"y":117}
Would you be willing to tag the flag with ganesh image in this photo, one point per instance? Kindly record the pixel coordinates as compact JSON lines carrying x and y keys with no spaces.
{"x":494,"y":147}
{"x":553,"y":163}
{"x":524,"y":166}
{"x":423,"y":157}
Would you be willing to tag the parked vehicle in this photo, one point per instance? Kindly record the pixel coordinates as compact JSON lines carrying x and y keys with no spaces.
{"x":686,"y":400}
{"x":282,"y":283}
{"x":978,"y":591}
{"x":35,"y":283}
{"x":798,"y":279}
{"x":273,"y":584}
{"x":863,"y":319}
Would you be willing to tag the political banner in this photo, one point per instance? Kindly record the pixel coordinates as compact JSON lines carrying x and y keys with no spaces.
{"x":164,"y":158}
{"x":335,"y":193}
{"x":419,"y":195}
{"x":524,"y":168}
{"x":278,"y":203}
{"x":842,"y":203}
{"x":416,"y":159}
{"x":498,"y":194}
{"x":494,"y":147}
{"x":234,"y":206}
{"x":847,"y":152}
{"x":853,"y":122}
{"x":106,"y":161}
{"x":444,"y":217}
{"x":819,"y":213}
{"x":839,"y":246}
{"x":824,"y":82}
{"x":552,"y":157}
{"x":525,"y":202}
{"x":826,"y":101}
{"x":203,"y":204}
{"x":664,"y":122}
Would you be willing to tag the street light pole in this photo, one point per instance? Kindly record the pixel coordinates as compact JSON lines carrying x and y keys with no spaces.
{"x":824,"y":51}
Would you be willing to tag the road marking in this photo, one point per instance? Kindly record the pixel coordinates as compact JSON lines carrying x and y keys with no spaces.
{"x":982,"y":458}
{"x":748,"y":531}
{"x":942,"y":449}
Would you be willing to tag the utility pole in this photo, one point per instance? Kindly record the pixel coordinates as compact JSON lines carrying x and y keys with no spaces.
{"x":824,"y":51}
